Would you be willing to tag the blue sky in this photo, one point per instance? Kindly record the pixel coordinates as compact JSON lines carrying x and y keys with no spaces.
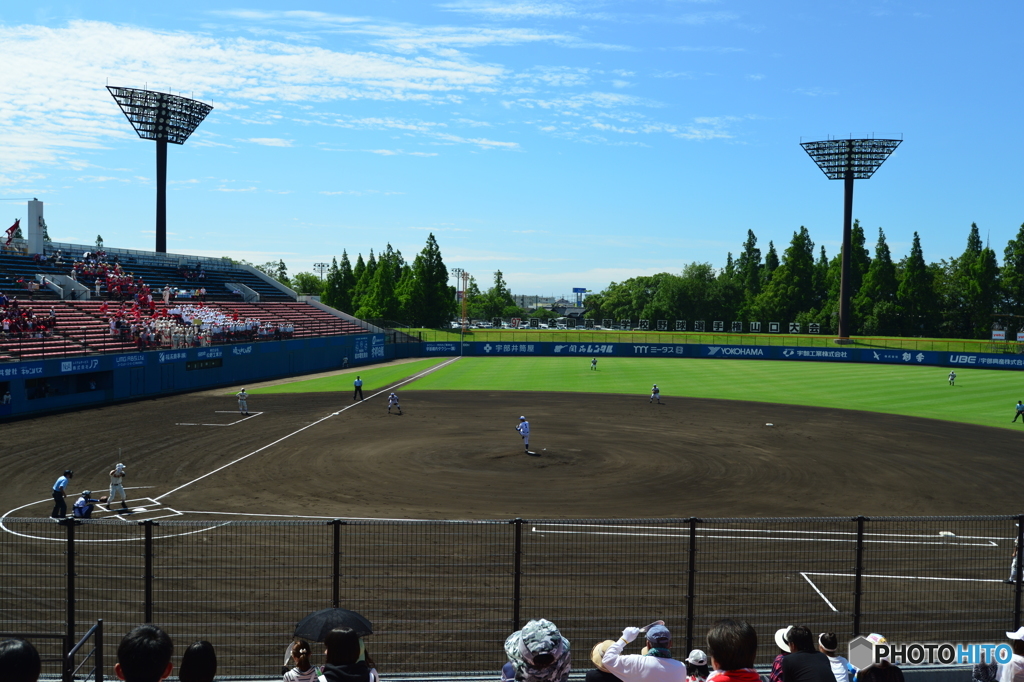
{"x":569,"y":144}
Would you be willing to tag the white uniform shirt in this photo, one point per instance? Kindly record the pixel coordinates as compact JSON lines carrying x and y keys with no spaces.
{"x":523,"y":428}
{"x":1012,"y":671}
{"x":642,"y":668}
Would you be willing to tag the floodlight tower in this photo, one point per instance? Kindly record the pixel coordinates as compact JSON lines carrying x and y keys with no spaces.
{"x":848,"y":160}
{"x":165,"y":118}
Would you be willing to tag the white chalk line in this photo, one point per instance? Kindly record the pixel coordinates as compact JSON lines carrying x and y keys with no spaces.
{"x":781,"y":531}
{"x":820,"y":594}
{"x":307,"y":426}
{"x":252,"y":415}
{"x":680,"y":533}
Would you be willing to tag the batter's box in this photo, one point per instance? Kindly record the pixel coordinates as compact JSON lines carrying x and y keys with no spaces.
{"x":142,"y":509}
{"x":242,"y":418}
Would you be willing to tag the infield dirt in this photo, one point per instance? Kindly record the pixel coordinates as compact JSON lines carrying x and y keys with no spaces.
{"x":455,"y":455}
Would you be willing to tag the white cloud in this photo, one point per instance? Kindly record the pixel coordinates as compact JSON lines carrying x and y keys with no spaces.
{"x":269,"y":141}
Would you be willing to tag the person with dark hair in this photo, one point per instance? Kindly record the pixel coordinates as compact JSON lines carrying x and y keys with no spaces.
{"x":198,"y":663}
{"x":697,"y":666}
{"x":828,"y":644}
{"x":344,"y":654}
{"x":144,"y":655}
{"x":805,"y":663}
{"x":732,"y":646}
{"x":304,"y":671}
{"x":19,"y":661}
{"x":883,"y":671}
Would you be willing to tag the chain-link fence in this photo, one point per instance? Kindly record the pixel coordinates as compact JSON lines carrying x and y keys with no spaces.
{"x":444,"y":595}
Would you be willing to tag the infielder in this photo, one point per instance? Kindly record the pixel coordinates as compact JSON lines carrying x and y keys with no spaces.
{"x":1020,"y":411}
{"x":952,"y":378}
{"x":655,"y":394}
{"x":393,"y":402}
{"x":523,"y":427}
{"x":117,"y":487}
{"x":243,"y":404}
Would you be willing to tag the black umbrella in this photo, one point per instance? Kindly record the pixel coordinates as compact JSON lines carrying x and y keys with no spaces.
{"x":315,"y":626}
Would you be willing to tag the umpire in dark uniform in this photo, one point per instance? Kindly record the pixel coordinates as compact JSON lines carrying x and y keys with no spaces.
{"x":60,"y":491}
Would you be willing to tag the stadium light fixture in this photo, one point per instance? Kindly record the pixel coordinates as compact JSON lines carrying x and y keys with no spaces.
{"x":848,"y":160}
{"x":165,"y":118}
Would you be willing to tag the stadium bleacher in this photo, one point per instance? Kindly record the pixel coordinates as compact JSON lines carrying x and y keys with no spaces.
{"x":83,"y":326}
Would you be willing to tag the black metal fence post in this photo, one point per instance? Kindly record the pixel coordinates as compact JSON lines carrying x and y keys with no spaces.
{"x":69,"y":638}
{"x":148,"y":577}
{"x":859,"y":575}
{"x":336,"y":570}
{"x":1018,"y":561}
{"x":517,"y":573}
{"x":691,"y":582}
{"x":99,"y":650}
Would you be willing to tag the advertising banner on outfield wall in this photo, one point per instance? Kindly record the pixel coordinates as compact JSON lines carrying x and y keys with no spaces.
{"x":730,"y":352}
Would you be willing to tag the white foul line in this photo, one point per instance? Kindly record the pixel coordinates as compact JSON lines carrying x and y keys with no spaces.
{"x":251,"y":416}
{"x":307,"y":426}
{"x":819,"y":592}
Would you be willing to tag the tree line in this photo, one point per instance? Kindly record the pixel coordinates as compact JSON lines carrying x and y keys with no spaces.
{"x":383,"y":287}
{"x":962,"y":297}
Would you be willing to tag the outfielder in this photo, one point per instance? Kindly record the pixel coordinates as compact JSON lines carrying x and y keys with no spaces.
{"x":523,"y":427}
{"x":593,"y":363}
{"x":952,"y":378}
{"x":117,"y":487}
{"x":243,"y":405}
{"x":393,"y":402}
{"x":655,"y":394}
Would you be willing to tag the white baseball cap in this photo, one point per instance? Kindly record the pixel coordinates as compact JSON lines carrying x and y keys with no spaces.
{"x":1019,"y":634}
{"x":522,"y":419}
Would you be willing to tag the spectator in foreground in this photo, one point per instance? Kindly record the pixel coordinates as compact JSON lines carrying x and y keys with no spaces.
{"x":1013,"y":671}
{"x":805,"y":663}
{"x":732,"y":645}
{"x":144,"y":655}
{"x":304,"y":671}
{"x":600,"y":673}
{"x":656,"y":665}
{"x":780,"y":641}
{"x":345,"y":659}
{"x":697,"y":666}
{"x":828,"y":644}
{"x":198,"y":663}
{"x":883,"y":671}
{"x":537,"y":653}
{"x":19,"y":661}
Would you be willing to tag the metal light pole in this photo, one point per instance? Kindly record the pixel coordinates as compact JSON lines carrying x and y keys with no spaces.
{"x":848,"y":160}
{"x":165,"y":118}
{"x":321,"y":267}
{"x":463,"y":277}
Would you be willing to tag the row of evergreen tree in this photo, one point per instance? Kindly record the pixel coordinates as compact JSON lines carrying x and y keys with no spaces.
{"x":383,"y":287}
{"x":963,"y":297}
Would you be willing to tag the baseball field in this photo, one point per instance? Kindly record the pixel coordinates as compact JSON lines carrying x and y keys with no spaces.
{"x":730,"y":439}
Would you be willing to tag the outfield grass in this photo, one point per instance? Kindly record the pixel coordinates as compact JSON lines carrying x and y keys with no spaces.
{"x":374,"y":379}
{"x":985,"y":397}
